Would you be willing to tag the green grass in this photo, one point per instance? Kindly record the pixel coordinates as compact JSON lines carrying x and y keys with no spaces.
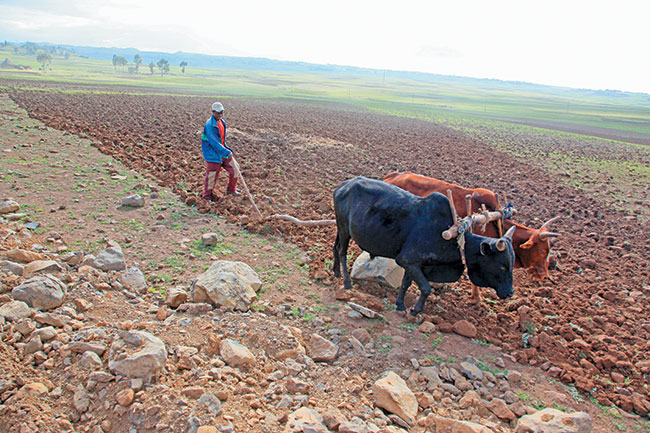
{"x":441,"y":100}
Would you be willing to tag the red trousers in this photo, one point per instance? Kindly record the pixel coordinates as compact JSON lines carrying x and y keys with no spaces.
{"x":212,"y":170}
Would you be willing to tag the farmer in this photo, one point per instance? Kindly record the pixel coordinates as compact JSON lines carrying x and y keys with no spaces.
{"x":217,"y":154}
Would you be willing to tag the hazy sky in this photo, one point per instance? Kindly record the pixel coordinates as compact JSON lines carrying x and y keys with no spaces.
{"x":587,"y":44}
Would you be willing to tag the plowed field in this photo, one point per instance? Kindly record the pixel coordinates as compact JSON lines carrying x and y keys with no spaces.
{"x":588,"y":324}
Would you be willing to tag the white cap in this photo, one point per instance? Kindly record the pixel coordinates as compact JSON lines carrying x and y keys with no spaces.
{"x":217,"y":107}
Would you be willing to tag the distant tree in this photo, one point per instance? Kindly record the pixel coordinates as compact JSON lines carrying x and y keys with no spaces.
{"x":121,"y":61}
{"x":44,"y":59}
{"x":151,"y":66}
{"x":182,"y":65}
{"x":115,"y":61}
{"x":66,"y":56}
{"x":163,"y":65}
{"x":137,"y":59}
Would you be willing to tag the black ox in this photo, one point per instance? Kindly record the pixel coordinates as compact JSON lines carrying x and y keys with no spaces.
{"x":387,"y":221}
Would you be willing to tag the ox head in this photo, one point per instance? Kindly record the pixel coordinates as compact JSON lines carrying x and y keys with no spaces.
{"x":490,"y":262}
{"x":534,"y":253}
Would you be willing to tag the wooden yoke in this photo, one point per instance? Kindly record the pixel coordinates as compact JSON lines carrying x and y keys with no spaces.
{"x":483,"y":218}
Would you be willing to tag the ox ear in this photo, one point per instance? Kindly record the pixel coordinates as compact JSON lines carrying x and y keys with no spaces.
{"x":486,"y":248}
{"x":528,"y":244}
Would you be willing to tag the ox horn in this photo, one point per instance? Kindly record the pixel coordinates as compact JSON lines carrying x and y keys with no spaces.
{"x":501,"y":244}
{"x":547,"y":223}
{"x":544,"y":235}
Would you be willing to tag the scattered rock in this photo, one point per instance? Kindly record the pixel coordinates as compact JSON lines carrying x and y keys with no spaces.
{"x":392,"y":394}
{"x":226,"y":284}
{"x":137,"y":354}
{"x":125,"y":397}
{"x":42,"y":292}
{"x":42,"y":266}
{"x":379,"y":269}
{"x":236,"y":355}
{"x":175,"y":297}
{"x":8,"y":206}
{"x":134,"y":200}
{"x":465,"y":328}
{"x":554,"y":421}
{"x":111,"y":259}
{"x":321,"y":349}
{"x":210,"y":239}
{"x":133,"y":279}
{"x":15,"y":310}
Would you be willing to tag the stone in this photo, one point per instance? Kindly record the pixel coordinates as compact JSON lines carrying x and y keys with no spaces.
{"x":432,"y":375}
{"x":362,"y":335}
{"x":15,"y":310}
{"x":210,"y":239}
{"x":91,"y":360}
{"x":355,"y":425}
{"x":133,"y":279}
{"x":427,"y":327}
{"x":137,"y":354}
{"x":363,"y":310}
{"x":80,"y":400}
{"x":41,"y":266}
{"x":392,"y":394}
{"x":33,"y":345}
{"x":110,"y":259}
{"x":333,"y":418}
{"x":82,"y":304}
{"x":321,"y":349}
{"x":448,"y":425}
{"x":73,"y":258}
{"x":500,"y":409}
{"x":295,"y":386}
{"x":226,"y":284}
{"x":11,"y":267}
{"x":82,"y":347}
{"x":210,"y":402}
{"x":125,"y":397}
{"x":134,"y":200}
{"x":471,"y":371}
{"x":34,"y":389}
{"x":175,"y":297}
{"x":514,"y":376}
{"x":8,"y":206}
{"x":24,"y":256}
{"x":236,"y":355}
{"x":380,"y":269}
{"x":56,"y":320}
{"x":46,"y":333}
{"x":42,"y":292}
{"x":304,"y":417}
{"x":465,"y":328}
{"x":554,"y":421}
{"x":193,"y":392}
{"x":470,"y":399}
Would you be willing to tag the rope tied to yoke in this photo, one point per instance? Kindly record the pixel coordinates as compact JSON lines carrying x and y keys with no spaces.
{"x":507,"y":211}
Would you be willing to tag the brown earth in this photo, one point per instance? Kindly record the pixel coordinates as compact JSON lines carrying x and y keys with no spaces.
{"x":587,"y":324}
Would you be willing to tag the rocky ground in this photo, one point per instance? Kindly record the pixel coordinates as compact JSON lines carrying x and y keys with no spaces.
{"x":296,"y":355}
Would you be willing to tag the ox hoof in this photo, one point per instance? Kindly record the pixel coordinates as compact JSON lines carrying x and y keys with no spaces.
{"x":413,"y":313}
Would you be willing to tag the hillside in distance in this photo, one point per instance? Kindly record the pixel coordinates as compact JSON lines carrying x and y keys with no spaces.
{"x":265,"y":64}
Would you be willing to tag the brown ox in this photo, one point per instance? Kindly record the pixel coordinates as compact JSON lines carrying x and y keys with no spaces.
{"x":531,"y":246}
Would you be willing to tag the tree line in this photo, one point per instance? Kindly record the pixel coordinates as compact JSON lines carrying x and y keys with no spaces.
{"x":119,"y":62}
